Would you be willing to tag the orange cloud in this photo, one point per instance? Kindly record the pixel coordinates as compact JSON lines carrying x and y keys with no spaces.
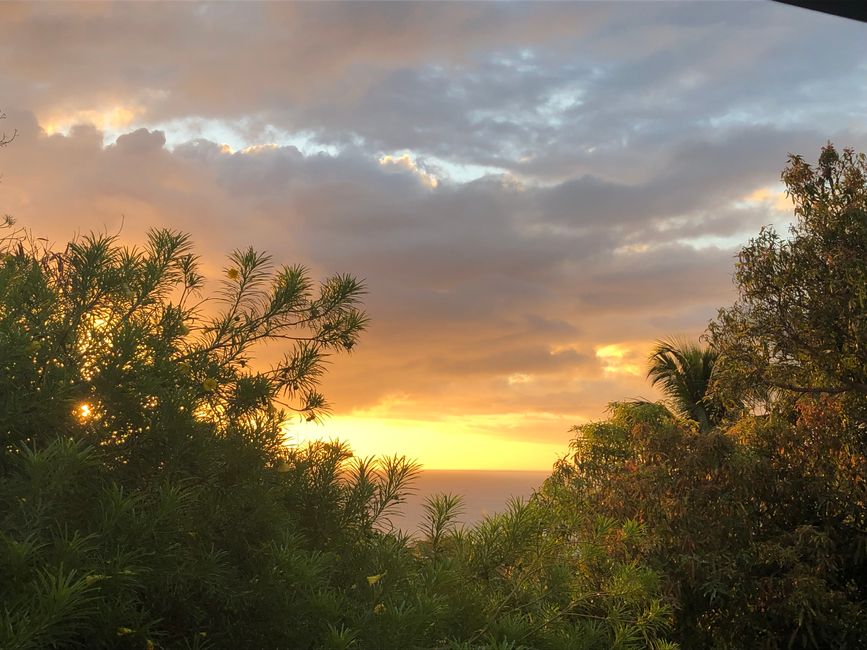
{"x":489,"y":337}
{"x":771,"y":196}
{"x":111,"y":118}
{"x":618,"y":359}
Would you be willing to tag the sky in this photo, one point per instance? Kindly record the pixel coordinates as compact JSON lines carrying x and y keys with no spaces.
{"x":533,"y":193}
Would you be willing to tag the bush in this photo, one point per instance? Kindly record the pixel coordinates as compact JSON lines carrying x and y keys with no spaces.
{"x":148,"y":498}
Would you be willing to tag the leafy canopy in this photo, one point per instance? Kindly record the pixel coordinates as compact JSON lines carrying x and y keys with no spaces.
{"x":111,"y":335}
{"x":758,"y":525}
{"x":148,"y":499}
{"x":799,"y":324}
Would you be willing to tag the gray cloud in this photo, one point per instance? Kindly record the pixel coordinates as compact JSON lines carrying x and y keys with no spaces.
{"x":519,"y":85}
{"x":624,"y":141}
{"x":469,"y":283}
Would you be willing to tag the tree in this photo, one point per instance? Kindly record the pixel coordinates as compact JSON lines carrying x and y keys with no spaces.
{"x":800,"y":323}
{"x":147,"y":496}
{"x":111,"y":334}
{"x":148,"y":499}
{"x":683,"y":370}
{"x":4,"y":138}
{"x":755,"y":548}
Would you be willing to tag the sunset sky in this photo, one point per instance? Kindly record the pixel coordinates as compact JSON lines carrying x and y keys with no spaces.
{"x":534,"y":193}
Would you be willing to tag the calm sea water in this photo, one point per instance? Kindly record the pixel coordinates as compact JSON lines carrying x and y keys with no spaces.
{"x":483,"y":492}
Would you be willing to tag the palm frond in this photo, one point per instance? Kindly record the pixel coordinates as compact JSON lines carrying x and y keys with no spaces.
{"x":682,"y":370}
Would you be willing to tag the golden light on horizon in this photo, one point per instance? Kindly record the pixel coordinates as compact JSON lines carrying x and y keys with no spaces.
{"x":453,"y":443}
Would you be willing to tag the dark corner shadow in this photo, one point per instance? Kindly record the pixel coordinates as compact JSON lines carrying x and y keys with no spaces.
{"x":853,"y":9}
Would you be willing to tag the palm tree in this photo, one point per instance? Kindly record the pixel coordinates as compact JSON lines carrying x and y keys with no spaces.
{"x":683,"y":371}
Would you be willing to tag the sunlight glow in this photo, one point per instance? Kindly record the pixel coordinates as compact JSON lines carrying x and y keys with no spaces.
{"x":770,"y":196}
{"x":611,"y":351}
{"x":204,"y":412}
{"x":408,"y":163}
{"x":259,"y":148}
{"x":616,"y":359}
{"x":105,"y":119}
{"x":632,"y":249}
{"x":84,"y":411}
{"x":451,"y":443}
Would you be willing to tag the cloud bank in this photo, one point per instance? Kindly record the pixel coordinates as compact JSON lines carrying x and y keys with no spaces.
{"x":533,"y":192}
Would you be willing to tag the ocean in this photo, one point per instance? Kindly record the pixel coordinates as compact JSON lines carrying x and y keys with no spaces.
{"x":484,"y":492}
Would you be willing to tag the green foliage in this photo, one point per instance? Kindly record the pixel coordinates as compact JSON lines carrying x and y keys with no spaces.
{"x":683,"y":370}
{"x":799,"y":324}
{"x":535,"y":577}
{"x":756,"y":548}
{"x":148,"y":498}
{"x":758,"y":526}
